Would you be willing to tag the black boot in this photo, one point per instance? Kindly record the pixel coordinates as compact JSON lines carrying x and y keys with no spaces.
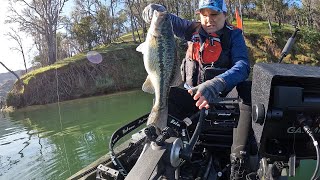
{"x":238,"y":168}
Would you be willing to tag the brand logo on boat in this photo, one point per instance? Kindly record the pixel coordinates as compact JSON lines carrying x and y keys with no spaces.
{"x":141,"y":121}
{"x":115,"y":139}
{"x":128,"y":129}
{"x":299,"y":130}
{"x":174,"y":122}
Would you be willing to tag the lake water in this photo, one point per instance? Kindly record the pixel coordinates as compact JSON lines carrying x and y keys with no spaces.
{"x":36,"y":143}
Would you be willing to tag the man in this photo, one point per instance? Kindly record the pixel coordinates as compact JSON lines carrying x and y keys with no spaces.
{"x":216,"y":61}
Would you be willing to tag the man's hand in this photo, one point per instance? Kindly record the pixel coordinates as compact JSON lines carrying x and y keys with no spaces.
{"x":206,"y":92}
{"x":148,"y":11}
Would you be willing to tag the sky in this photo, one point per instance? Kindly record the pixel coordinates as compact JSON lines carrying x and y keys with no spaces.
{"x":13,"y":59}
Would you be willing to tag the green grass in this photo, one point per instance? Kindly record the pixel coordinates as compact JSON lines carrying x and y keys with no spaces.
{"x":71,"y":59}
{"x":115,"y":46}
{"x":252,"y":26}
{"x":27,"y":77}
{"x":128,"y":37}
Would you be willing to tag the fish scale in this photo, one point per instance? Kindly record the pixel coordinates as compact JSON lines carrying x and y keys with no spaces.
{"x":159,"y":54}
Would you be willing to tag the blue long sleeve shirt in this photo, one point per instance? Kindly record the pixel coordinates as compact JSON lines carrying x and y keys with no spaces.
{"x":240,"y":69}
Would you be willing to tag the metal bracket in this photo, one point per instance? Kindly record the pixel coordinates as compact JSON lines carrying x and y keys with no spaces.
{"x":292,"y":166}
{"x":105,"y":173}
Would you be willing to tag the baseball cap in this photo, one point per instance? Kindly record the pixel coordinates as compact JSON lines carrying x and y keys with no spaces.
{"x":216,"y":5}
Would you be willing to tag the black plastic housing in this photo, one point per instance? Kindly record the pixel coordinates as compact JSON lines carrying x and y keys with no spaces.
{"x":279,"y":93}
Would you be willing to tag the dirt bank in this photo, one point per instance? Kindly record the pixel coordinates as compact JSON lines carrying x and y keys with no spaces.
{"x":120,"y":70}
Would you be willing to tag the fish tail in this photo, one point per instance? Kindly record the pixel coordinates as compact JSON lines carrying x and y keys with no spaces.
{"x":158,"y":117}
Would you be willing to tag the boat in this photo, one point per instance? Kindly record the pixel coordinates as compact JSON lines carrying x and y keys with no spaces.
{"x":198,"y":147}
{"x":216,"y":137}
{"x":285,"y":129}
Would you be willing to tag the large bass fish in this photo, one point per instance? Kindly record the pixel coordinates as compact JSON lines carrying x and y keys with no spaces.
{"x":159,"y":55}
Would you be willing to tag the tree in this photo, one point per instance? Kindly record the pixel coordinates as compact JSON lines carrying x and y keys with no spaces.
{"x":264,"y":6}
{"x":105,"y":24}
{"x":317,"y":14}
{"x":63,"y":46}
{"x":120,"y":23}
{"x":41,"y":16}
{"x":129,"y":4}
{"x":14,"y":35}
{"x":311,"y":11}
{"x":86,"y":33}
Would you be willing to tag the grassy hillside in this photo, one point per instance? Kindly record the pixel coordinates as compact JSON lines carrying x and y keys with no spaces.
{"x":264,"y":48}
{"x":80,"y":78}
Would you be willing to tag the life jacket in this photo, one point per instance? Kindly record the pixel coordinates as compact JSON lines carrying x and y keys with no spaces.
{"x":208,"y":55}
{"x":206,"y":52}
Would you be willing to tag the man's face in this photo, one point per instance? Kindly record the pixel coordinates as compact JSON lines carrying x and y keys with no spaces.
{"x":212,"y":21}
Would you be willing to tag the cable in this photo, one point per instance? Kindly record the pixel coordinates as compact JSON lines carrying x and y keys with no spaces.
{"x":307,"y":129}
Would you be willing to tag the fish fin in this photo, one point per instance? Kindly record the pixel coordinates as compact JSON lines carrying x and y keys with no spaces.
{"x":141,"y":47}
{"x":158,"y":117}
{"x":147,"y":86}
{"x":177,"y":78}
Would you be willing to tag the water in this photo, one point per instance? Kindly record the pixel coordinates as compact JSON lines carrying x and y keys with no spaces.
{"x":32,"y":145}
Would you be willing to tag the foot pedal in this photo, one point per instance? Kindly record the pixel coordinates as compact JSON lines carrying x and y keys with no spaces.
{"x":106,"y":173}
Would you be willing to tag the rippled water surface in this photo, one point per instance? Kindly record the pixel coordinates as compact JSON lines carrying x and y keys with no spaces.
{"x":35,"y":145}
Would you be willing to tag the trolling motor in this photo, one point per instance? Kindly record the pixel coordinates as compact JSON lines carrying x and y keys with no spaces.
{"x":289,"y":43}
{"x":286,"y":115}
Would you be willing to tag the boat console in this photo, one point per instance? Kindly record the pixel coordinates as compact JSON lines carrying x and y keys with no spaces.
{"x":285,"y":122}
{"x":286,"y":111}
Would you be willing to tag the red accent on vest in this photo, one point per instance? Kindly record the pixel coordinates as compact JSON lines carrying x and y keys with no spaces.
{"x":210,"y":52}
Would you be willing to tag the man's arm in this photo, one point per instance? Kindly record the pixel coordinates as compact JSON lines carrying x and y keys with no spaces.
{"x":240,"y":69}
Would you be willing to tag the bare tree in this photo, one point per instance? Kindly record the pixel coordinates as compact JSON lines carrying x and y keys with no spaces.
{"x":14,"y":35}
{"x":42,"y":16}
{"x":311,"y":10}
{"x":86,"y":7}
{"x":268,"y":17}
{"x":130,"y":4}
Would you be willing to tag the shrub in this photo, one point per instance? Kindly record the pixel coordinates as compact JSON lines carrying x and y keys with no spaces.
{"x":311,"y":37}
